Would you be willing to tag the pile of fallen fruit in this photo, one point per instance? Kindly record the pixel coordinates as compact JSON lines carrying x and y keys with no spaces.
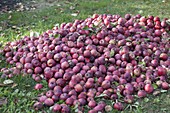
{"x":89,"y":62}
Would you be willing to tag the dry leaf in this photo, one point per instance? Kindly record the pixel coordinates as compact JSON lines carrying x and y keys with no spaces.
{"x":14,"y":27}
{"x":14,"y":85}
{"x":155,"y":93}
{"x":74,"y":14}
{"x":8,"y":81}
{"x":32,"y":33}
{"x":72,"y":7}
{"x":9,"y":17}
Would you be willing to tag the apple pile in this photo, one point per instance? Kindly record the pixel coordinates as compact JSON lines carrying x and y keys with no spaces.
{"x":87,"y":62}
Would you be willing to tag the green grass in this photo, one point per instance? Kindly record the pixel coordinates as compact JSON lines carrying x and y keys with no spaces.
{"x":21,"y":98}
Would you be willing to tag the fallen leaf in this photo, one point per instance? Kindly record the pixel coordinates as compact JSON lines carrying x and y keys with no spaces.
{"x":14,"y":85}
{"x":33,"y":1}
{"x":27,"y":85}
{"x":146,"y":99}
{"x":101,"y":95}
{"x":3,"y":101}
{"x":9,"y":12}
{"x":9,"y":17}
{"x":74,"y":14}
{"x":61,"y":10}
{"x":163,"y":1}
{"x":155,"y":93}
{"x":72,"y":7}
{"x":8,"y":81}
{"x":16,"y":91}
{"x":32,"y":33}
{"x":140,"y":11}
{"x":163,"y":91}
{"x":14,"y":27}
{"x":58,"y":5}
{"x":2,"y":34}
{"x":3,"y":85}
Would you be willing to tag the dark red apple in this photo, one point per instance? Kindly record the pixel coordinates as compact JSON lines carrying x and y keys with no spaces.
{"x":118,"y":106}
{"x":165,"y":85}
{"x":161,"y":71}
{"x":149,"y":88}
